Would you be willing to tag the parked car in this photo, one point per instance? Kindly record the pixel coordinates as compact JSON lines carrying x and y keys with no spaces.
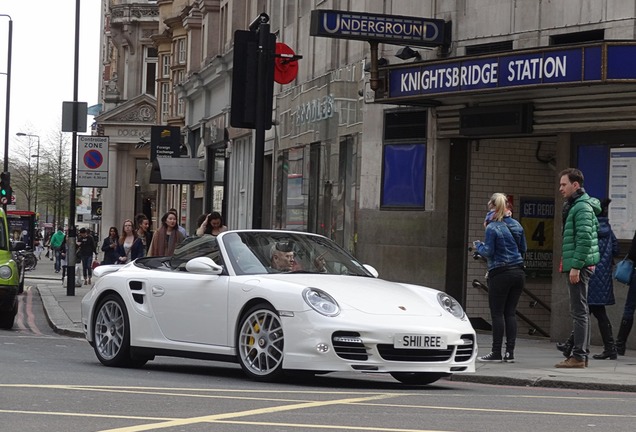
{"x":221,"y":298}
{"x":10,"y":283}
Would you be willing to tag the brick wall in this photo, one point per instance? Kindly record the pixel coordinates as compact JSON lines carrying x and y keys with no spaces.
{"x":509,"y":166}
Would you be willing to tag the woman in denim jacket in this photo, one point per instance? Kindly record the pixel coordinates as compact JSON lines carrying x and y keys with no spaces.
{"x":503,"y":247}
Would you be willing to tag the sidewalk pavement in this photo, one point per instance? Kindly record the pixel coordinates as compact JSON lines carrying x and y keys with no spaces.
{"x":534,"y":366}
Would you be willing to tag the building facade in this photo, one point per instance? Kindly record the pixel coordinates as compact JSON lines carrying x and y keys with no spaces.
{"x":400,"y":176}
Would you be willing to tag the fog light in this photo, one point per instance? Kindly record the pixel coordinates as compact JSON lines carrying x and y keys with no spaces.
{"x":322,"y":347}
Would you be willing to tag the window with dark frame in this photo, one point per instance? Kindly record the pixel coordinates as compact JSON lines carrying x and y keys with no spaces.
{"x":404,"y":160}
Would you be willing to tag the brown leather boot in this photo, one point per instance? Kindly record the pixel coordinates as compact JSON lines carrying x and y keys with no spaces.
{"x":571,"y":363}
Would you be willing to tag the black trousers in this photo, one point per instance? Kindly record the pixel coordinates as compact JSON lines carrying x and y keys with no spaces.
{"x":504,"y":290}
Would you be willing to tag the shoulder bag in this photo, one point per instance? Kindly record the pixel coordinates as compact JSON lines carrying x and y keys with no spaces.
{"x":624,"y":271}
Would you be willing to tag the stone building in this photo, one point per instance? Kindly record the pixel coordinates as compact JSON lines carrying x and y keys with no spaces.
{"x":401,"y":176}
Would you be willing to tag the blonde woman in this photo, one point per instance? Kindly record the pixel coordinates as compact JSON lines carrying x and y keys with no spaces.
{"x":503,"y":247}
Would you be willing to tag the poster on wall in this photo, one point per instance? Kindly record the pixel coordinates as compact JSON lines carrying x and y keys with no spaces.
{"x":537,"y":219}
{"x":622,"y":177}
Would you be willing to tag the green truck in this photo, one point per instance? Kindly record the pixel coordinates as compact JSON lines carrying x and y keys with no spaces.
{"x":10,"y":283}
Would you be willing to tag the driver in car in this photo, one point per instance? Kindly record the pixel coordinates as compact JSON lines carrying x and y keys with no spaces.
{"x":283,"y":256}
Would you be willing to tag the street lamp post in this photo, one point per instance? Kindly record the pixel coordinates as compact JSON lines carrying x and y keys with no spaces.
{"x":37,"y":166}
{"x":8,"y":98}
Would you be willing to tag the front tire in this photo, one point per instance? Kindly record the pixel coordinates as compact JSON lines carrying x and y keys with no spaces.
{"x":111,"y":334}
{"x":417,"y":378}
{"x":260,"y":343}
{"x":6,"y":321}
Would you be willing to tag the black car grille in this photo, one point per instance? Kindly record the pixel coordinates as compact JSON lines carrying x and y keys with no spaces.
{"x":388,"y":352}
{"x":465,"y":352}
{"x":347,"y":347}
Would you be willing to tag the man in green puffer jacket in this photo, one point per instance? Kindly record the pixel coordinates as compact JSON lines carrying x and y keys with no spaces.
{"x":580,"y":254}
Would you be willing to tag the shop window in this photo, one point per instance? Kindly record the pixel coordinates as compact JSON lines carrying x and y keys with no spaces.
{"x":404,"y":160}
{"x":296,"y":191}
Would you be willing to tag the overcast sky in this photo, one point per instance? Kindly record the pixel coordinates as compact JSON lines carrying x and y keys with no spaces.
{"x":42,"y":63}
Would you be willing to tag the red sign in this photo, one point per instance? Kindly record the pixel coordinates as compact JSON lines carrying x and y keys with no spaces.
{"x":285,"y":65}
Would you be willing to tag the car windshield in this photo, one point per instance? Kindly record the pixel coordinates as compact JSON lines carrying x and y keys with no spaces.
{"x":261,"y":252}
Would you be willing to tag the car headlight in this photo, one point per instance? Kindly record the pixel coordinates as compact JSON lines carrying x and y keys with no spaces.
{"x":321,"y":302}
{"x":5,"y":272}
{"x":451,"y":305}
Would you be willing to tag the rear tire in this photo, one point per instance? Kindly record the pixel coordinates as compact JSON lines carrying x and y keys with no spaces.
{"x":30,"y":262}
{"x":417,"y":378}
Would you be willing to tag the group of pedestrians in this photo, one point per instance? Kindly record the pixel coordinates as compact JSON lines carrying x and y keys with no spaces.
{"x":587,"y":258}
{"x":136,"y":240}
{"x":133,"y":242}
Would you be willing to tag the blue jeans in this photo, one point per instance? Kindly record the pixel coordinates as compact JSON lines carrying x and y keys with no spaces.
{"x":630,"y":300}
{"x":580,"y":314}
{"x":58,"y":260}
{"x":87,"y":269}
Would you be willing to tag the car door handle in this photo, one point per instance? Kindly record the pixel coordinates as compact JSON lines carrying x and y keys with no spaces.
{"x":158,"y":291}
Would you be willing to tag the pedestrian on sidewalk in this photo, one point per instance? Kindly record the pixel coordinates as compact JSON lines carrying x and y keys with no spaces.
{"x":601,"y":287}
{"x":130,"y":246}
{"x":143,"y":232}
{"x":579,"y":256}
{"x":86,"y":250}
{"x":56,"y":242}
{"x":630,"y":306}
{"x":503,"y":247}
{"x":109,"y":247}
{"x":166,"y":238}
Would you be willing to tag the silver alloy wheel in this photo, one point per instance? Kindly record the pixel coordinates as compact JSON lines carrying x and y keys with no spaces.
{"x":261,"y":342}
{"x":109,"y":331}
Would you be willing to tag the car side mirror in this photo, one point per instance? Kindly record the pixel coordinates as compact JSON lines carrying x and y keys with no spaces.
{"x":203,"y":265}
{"x":371,"y":270}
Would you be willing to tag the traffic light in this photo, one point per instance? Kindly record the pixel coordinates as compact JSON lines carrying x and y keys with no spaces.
{"x":5,"y":188}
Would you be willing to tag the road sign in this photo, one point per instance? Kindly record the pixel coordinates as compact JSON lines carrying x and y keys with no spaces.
{"x":93,"y":161}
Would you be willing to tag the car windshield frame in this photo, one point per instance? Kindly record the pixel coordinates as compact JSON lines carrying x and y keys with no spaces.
{"x":250,"y":253}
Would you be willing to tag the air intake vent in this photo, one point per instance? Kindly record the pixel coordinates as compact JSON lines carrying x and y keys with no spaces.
{"x":136,"y":288}
{"x":465,"y":352}
{"x":349,"y":346}
{"x":388,"y":352}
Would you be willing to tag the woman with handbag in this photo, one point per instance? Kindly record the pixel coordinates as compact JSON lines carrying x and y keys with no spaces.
{"x":630,"y":305}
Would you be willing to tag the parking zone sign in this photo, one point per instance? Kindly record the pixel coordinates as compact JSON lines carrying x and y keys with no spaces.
{"x":92,"y":156}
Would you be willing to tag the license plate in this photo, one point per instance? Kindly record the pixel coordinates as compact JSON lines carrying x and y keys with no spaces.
{"x":419,"y":341}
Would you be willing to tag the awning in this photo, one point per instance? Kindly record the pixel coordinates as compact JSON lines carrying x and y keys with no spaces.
{"x":176,"y":171}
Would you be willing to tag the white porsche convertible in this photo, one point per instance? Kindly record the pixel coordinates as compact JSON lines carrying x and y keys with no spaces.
{"x":275,"y":302}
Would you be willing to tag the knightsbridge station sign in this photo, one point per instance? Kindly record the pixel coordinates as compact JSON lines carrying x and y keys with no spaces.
{"x":394,"y":29}
{"x":594,"y":63}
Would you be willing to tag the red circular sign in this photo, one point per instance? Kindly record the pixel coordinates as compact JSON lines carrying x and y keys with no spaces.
{"x":93,"y":159}
{"x":285,"y":66}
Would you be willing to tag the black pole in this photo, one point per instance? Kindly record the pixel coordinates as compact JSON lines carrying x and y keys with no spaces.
{"x":8,"y":103}
{"x":72,"y":234}
{"x":261,"y":111}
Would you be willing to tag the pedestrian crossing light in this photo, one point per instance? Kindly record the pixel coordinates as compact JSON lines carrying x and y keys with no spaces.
{"x":5,"y":188}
